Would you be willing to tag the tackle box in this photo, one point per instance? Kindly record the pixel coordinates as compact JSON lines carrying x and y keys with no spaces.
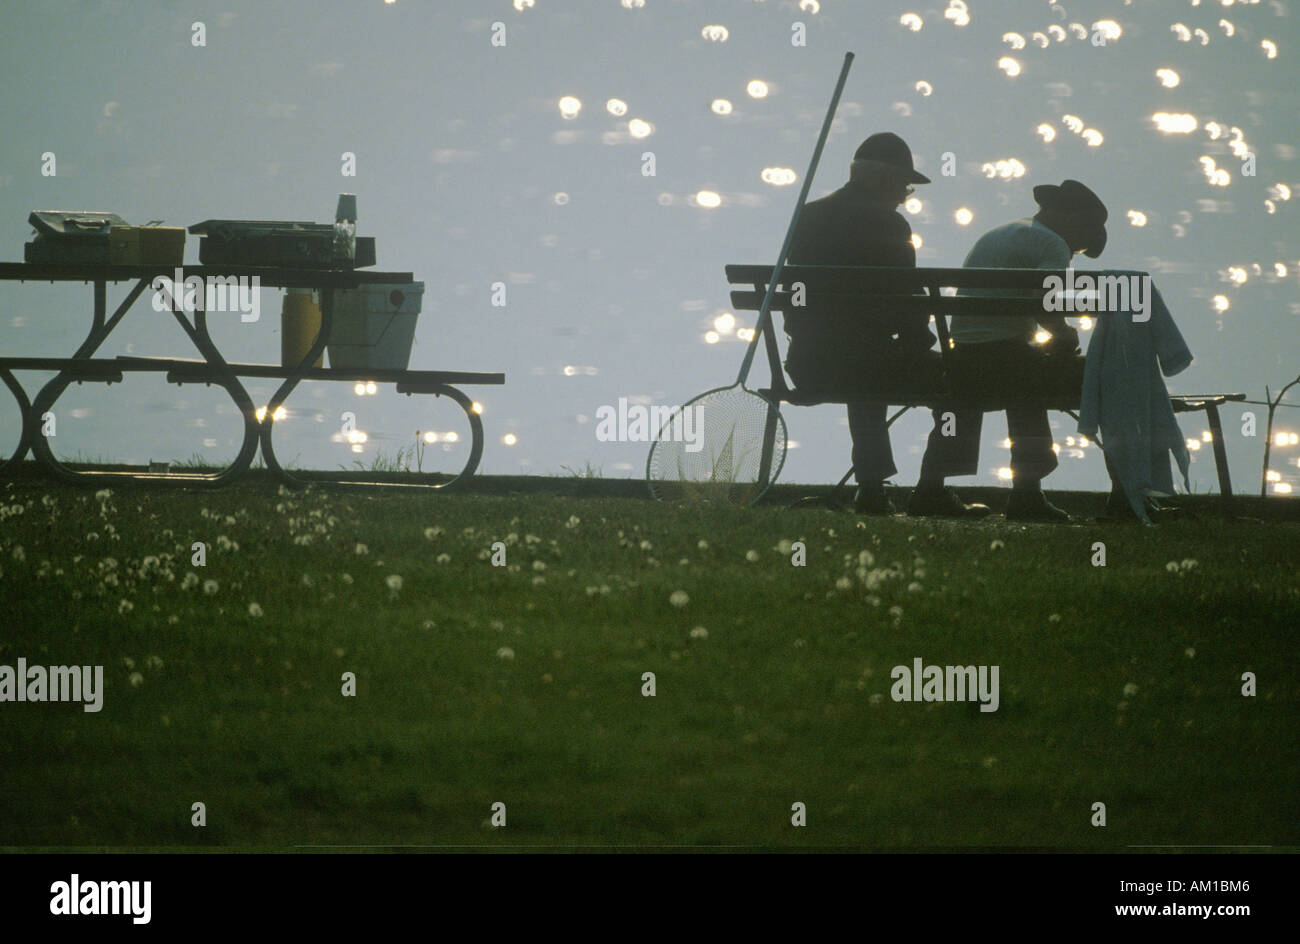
{"x":275,"y":243}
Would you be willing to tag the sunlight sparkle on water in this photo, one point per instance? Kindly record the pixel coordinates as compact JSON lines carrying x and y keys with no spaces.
{"x":778,"y":176}
{"x":1108,"y":29}
{"x":1174,"y":123}
{"x":1007,"y":169}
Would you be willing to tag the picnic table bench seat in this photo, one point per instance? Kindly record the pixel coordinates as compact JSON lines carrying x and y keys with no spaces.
{"x":928,"y":292}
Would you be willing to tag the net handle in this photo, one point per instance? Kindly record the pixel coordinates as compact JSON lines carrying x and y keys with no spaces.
{"x":765,"y":312}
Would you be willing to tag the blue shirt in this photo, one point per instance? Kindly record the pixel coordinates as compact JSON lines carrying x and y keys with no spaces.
{"x":1024,"y":244}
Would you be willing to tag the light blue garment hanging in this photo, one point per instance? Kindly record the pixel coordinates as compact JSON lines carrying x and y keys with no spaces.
{"x":1125,"y":399}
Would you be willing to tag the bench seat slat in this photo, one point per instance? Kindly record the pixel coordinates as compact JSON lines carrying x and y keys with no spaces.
{"x":870,"y":279}
{"x":899,"y":304}
{"x":180,"y":368}
{"x":81,"y":368}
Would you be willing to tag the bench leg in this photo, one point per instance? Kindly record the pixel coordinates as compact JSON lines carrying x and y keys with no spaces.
{"x":1220,"y":456}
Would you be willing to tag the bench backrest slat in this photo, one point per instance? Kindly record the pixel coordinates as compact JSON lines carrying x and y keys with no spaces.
{"x":937,"y":292}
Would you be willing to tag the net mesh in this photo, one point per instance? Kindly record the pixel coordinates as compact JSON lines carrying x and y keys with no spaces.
{"x":711,"y":449}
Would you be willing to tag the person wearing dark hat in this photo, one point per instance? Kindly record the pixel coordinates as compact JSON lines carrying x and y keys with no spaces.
{"x":997,"y":355}
{"x":837,"y":345}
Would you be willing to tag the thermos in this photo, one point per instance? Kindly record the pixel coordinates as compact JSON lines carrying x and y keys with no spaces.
{"x":299,"y":324}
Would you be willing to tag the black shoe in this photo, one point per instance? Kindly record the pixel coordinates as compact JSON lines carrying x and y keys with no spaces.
{"x":871,"y":500}
{"x":1026,"y":505}
{"x":942,"y":503}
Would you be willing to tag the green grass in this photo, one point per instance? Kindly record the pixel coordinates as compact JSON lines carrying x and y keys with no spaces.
{"x":786,"y":699}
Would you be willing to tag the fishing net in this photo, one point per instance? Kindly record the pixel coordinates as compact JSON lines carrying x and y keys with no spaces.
{"x":711,"y":449}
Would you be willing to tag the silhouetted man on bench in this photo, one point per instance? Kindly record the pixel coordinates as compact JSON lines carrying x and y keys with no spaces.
{"x":840,"y":346}
{"x":997,"y":356}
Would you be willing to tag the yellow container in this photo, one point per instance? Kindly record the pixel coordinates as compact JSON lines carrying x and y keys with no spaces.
{"x":299,"y":325}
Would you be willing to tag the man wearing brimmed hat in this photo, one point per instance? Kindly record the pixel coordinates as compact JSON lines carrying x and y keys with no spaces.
{"x":997,"y":355}
{"x":837,"y":345}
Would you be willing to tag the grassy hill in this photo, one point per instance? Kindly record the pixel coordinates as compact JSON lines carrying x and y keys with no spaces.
{"x":523,"y":684}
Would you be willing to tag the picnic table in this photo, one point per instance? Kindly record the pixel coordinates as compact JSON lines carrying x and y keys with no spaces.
{"x":212,"y":368}
{"x":903,"y":290}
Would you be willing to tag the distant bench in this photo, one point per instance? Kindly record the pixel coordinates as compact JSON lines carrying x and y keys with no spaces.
{"x":911,"y":291}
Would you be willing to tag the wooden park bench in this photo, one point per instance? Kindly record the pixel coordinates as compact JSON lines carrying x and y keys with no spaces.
{"x":919,"y":291}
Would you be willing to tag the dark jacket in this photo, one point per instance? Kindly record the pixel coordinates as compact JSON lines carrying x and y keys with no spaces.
{"x":829,"y":340}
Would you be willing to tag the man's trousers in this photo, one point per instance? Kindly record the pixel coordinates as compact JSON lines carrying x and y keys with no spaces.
{"x":1002,"y":370}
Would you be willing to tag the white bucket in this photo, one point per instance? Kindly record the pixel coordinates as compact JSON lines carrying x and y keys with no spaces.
{"x":374,"y":326}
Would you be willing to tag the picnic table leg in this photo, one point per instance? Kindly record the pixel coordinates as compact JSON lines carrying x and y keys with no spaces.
{"x":476,"y":433}
{"x":101,"y":328}
{"x":230,"y":383}
{"x":24,"y":412}
{"x":45,"y":399}
{"x":1220,"y":457}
